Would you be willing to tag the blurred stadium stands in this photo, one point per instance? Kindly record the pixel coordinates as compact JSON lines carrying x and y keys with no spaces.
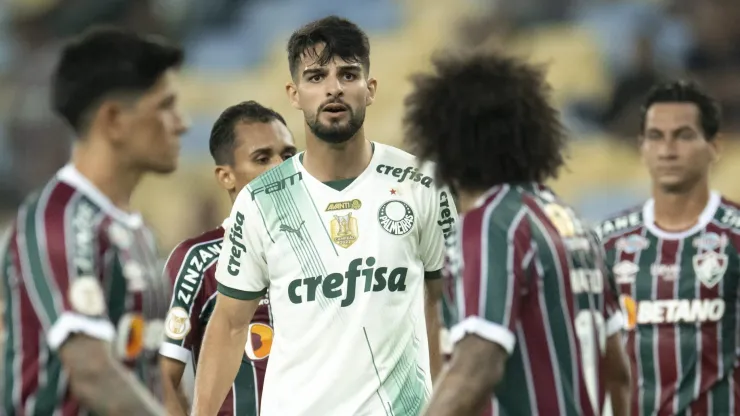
{"x":236,"y":53}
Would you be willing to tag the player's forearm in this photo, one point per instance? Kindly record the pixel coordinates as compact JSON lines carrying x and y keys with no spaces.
{"x":222,"y":350}
{"x":102,"y":384}
{"x":457,"y":394}
{"x":129,"y":397}
{"x":435,"y":355}
{"x":620,"y":397}
{"x":174,"y":399}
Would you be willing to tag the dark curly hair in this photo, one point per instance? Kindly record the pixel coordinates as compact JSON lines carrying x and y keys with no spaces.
{"x":682,"y":91}
{"x":485,"y":118}
{"x":341,"y":38}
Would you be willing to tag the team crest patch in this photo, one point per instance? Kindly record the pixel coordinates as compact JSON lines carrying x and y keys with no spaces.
{"x":339,"y":206}
{"x":561,"y":219}
{"x":396,"y":217}
{"x":632,"y":244}
{"x":710,"y":267}
{"x":177,"y":324}
{"x":86,"y":296}
{"x":343,"y":230}
{"x":119,"y":236}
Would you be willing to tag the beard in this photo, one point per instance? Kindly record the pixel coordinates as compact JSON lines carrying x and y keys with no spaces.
{"x":337,"y":132}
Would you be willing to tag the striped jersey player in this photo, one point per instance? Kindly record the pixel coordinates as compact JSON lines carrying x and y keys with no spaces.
{"x":191,"y":268}
{"x":246,"y":140}
{"x":524,"y":273}
{"x":76,"y":264}
{"x":680,"y":294}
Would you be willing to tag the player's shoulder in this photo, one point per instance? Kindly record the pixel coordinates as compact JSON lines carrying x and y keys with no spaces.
{"x":208,"y":242}
{"x":500,"y":206}
{"x":619,"y":223}
{"x":395,"y":165}
{"x":728,"y":212}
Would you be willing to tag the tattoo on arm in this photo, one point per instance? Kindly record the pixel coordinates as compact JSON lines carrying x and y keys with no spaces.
{"x":466,"y":386}
{"x":101,"y":383}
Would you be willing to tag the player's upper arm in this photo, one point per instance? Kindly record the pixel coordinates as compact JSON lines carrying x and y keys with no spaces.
{"x":184,"y":270}
{"x":242,"y":270}
{"x":496,"y":256}
{"x":437,"y":225}
{"x":61,"y":270}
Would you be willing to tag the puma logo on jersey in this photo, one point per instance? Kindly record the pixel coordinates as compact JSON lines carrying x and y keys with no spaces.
{"x":296,"y":231}
{"x":671,"y":311}
{"x":333,"y":286}
{"x":237,"y":247}
{"x":411,"y":173}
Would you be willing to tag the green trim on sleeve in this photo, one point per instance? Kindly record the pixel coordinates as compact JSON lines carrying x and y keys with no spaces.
{"x":240,"y":294}
{"x":433,"y":275}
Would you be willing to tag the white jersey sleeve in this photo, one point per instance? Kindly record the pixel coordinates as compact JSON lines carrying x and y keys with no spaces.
{"x":241,"y":271}
{"x":437,"y":225}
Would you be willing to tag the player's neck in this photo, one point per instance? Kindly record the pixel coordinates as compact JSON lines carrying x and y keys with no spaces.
{"x":466,"y":199}
{"x":106,"y":173}
{"x":331,"y":162}
{"x":677,"y":212}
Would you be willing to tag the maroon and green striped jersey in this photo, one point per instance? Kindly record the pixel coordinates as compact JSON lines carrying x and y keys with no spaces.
{"x":76,"y":265}
{"x":679,"y":292}
{"x":523,"y":272}
{"x":191,"y":269}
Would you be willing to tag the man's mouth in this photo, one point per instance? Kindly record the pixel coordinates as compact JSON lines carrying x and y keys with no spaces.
{"x":335,"y":108}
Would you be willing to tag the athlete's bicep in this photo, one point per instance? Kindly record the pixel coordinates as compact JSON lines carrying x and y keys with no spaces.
{"x":242,"y":270}
{"x":438,"y":224}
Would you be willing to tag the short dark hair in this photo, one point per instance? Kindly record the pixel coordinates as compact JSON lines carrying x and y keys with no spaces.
{"x":486,"y":119}
{"x":103,"y":61}
{"x":341,"y":38}
{"x":223,"y":136}
{"x":684,"y":91}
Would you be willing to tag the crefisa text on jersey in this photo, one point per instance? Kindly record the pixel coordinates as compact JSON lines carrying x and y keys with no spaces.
{"x":236,"y":234}
{"x":331,"y":285}
{"x":411,"y":173}
{"x":447,"y":221}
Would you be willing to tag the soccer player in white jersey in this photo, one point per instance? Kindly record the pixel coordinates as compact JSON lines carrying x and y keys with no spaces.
{"x":348,"y":236}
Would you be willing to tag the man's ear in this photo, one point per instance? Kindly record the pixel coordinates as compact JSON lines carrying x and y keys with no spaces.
{"x":225,"y":177}
{"x":292,"y":91}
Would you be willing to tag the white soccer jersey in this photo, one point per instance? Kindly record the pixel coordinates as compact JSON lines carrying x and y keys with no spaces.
{"x":345,"y":271}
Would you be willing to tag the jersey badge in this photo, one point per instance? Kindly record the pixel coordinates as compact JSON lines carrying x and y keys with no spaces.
{"x":86,"y":296}
{"x":625,"y":272}
{"x":562,"y":219}
{"x":632,"y":244}
{"x":343,"y":229}
{"x":119,"y":236}
{"x":177,"y":324}
{"x":354,"y":204}
{"x":710,"y":267}
{"x":396,"y":217}
{"x":710,"y":242}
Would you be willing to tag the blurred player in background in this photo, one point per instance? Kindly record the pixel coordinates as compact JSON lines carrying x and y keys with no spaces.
{"x":347,"y":236}
{"x":535,"y":326}
{"x":246,"y":140}
{"x":675,"y":260}
{"x":85,"y":304}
